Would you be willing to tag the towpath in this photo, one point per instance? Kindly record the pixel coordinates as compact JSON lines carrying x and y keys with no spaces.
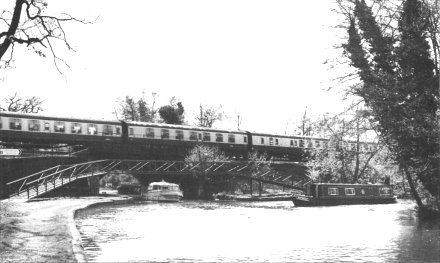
{"x":44,"y":230}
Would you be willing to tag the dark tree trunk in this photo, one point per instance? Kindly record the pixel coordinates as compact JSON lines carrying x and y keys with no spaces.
{"x":413,"y":188}
{"x":12,"y":28}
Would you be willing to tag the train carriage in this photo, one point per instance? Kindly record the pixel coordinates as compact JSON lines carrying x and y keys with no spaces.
{"x":161,"y":137}
{"x":155,"y":140}
{"x":39,"y":128}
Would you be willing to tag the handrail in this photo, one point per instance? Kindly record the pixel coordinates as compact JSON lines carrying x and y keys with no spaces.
{"x":24,"y":178}
{"x":68,"y":168}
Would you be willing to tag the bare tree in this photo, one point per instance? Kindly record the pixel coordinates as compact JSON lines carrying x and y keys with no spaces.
{"x":28,"y":24}
{"x":208,"y":115}
{"x":15,"y":103}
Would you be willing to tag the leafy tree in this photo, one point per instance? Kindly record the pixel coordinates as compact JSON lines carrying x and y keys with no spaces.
{"x":346,"y":158}
{"x":16,"y":103}
{"x":27,"y":23}
{"x":204,"y":154}
{"x":129,"y":109}
{"x":145,"y":113}
{"x":172,"y":113}
{"x":259,"y":164}
{"x":398,"y":70}
{"x":208,"y":116}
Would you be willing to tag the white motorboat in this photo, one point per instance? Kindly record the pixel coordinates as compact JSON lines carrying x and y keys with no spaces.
{"x":163,"y":191}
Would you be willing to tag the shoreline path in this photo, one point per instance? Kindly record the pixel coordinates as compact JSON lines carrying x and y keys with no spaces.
{"x":44,"y":230}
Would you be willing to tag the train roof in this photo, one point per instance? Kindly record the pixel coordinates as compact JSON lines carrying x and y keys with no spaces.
{"x":181,"y":127}
{"x":288,"y":136}
{"x":44,"y":117}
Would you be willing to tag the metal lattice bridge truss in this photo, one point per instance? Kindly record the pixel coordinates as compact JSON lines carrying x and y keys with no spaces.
{"x":44,"y":181}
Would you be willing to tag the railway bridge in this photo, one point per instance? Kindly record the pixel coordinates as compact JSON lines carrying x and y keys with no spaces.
{"x":146,"y":171}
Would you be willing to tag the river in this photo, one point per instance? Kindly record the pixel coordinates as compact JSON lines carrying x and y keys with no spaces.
{"x":197,"y":231}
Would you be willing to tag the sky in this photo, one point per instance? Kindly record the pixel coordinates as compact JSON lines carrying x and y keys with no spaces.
{"x":262,"y":60}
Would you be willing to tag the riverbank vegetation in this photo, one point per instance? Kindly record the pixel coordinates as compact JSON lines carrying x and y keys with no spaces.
{"x":394,"y":47}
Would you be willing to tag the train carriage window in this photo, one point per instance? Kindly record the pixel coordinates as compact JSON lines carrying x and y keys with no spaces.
{"x":219,"y":137}
{"x":309,"y":144}
{"x":276,"y":141}
{"x":262,"y":140}
{"x":193,"y":136}
{"x":317,"y":144}
{"x":245,"y":139}
{"x":131,"y":131}
{"x":333,"y":191}
{"x":149,"y":132}
{"x":349,"y":191}
{"x":14,"y":124}
{"x":92,"y":129}
{"x":206,"y":137}
{"x":118,"y":130}
{"x":107,"y":129}
{"x":301,"y":143}
{"x":199,"y":136}
{"x":325,"y":144}
{"x":365,"y":147}
{"x":59,"y":126}
{"x":384,"y":191}
{"x":47,"y":126}
{"x":291,"y":143}
{"x":34,"y":125}
{"x":231,"y":138}
{"x":165,"y":133}
{"x":179,"y":135}
{"x":1,"y":124}
{"x":76,"y":128}
{"x":270,"y":141}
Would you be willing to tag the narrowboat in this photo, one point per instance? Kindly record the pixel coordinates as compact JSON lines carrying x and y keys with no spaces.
{"x":163,"y":192}
{"x":327,"y":194}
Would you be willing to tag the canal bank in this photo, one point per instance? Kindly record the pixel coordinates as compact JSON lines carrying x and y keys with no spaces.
{"x":44,"y":230}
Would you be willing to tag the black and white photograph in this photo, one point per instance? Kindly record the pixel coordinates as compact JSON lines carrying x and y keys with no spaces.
{"x":220,"y":131}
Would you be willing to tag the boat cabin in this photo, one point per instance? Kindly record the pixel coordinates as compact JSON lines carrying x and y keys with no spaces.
{"x":161,"y":186}
{"x":328,"y":190}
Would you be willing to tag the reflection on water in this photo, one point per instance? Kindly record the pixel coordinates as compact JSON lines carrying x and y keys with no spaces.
{"x":264,"y":231}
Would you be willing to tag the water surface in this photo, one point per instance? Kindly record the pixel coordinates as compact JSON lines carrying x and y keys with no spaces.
{"x":194,"y":231}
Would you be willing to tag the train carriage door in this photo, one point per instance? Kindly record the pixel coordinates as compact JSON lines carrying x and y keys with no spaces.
{"x":124,"y":127}
{"x":249,"y":140}
{"x":46,"y":126}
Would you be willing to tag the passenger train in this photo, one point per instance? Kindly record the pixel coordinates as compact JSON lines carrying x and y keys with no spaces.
{"x":37,"y":128}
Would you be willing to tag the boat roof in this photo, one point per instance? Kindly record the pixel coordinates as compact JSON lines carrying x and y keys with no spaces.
{"x":162,"y":183}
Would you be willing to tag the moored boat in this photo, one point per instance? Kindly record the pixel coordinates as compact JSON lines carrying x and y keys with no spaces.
{"x":326,"y":194}
{"x":163,"y":192}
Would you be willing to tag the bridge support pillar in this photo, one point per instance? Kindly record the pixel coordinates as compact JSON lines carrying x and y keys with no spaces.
{"x":93,"y":183}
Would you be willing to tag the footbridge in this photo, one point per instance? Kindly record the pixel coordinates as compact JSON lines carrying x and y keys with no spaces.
{"x":47,"y":180}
